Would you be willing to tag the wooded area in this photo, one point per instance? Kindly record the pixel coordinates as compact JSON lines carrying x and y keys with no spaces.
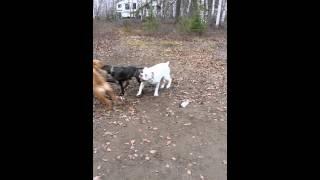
{"x":211,"y":12}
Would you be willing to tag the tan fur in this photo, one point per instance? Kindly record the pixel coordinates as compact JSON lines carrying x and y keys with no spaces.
{"x":101,"y":87}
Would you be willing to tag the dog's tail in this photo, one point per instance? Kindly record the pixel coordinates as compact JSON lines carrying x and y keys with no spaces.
{"x":168,"y":62}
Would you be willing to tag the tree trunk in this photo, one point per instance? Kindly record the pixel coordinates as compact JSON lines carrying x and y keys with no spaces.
{"x":174,"y":9}
{"x":224,"y":12}
{"x":178,"y":4}
{"x":161,"y":8}
{"x":201,"y":10}
{"x":188,"y":7}
{"x":194,"y":7}
{"x":182,"y":8}
{"x":206,"y":2}
{"x":213,"y":7}
{"x":218,"y":13}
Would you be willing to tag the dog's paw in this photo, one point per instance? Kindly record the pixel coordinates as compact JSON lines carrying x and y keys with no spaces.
{"x":156,"y":95}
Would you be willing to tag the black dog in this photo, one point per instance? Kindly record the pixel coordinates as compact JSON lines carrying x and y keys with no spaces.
{"x":123,"y":74}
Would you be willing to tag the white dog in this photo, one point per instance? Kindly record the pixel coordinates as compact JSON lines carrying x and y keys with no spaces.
{"x":154,"y":75}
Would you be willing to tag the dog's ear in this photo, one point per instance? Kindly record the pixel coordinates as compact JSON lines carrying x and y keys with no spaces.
{"x":97,"y":63}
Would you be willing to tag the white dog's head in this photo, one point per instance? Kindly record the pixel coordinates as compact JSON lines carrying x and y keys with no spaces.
{"x":146,"y":74}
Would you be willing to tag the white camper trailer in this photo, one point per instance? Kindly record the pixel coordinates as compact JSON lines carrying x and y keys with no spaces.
{"x":128,"y":8}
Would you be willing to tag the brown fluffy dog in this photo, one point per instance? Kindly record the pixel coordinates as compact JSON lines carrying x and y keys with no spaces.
{"x":100,"y":87}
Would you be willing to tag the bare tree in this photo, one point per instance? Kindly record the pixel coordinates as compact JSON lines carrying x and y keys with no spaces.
{"x":178,"y":4}
{"x":194,"y":7}
{"x":188,"y":8}
{"x":212,"y":8}
{"x":206,"y":5}
{"x":224,"y":12}
{"x":182,"y":8}
{"x":174,"y":9}
{"x":218,"y":13}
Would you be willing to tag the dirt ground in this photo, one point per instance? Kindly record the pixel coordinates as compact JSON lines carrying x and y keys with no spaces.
{"x":152,"y":138}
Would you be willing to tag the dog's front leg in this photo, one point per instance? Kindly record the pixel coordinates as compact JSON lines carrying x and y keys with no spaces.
{"x":127,"y":84}
{"x":138,"y":79}
{"x":140,"y":88}
{"x":157,"y":89}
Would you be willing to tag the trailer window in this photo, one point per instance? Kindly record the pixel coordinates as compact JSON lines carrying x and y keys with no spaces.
{"x":127,"y":6}
{"x":134,"y":5}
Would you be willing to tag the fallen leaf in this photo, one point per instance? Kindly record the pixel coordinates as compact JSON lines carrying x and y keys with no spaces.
{"x":97,"y":178}
{"x":107,"y":133}
{"x":189,"y":172}
{"x":201,"y":177}
{"x":224,"y":161}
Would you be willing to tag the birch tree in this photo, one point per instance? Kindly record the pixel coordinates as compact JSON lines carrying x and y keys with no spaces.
{"x":218,"y":13}
{"x":206,"y":6}
{"x":174,"y":9}
{"x":182,"y":8}
{"x":224,"y":12}
{"x":201,"y":10}
{"x":188,"y":7}
{"x":213,"y":7}
{"x":194,"y":7}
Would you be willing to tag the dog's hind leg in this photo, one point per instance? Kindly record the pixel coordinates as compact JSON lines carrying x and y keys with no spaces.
{"x":168,"y":79}
{"x":156,"y":91}
{"x":122,"y":89}
{"x":100,"y":95}
{"x":163,"y":82}
{"x":111,"y":94}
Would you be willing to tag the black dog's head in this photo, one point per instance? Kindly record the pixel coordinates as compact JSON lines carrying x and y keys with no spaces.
{"x":122,"y":73}
{"x":107,"y":68}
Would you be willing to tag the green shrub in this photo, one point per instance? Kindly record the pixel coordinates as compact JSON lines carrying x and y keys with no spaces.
{"x":197,"y":25}
{"x":151,"y":24}
{"x":191,"y":24}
